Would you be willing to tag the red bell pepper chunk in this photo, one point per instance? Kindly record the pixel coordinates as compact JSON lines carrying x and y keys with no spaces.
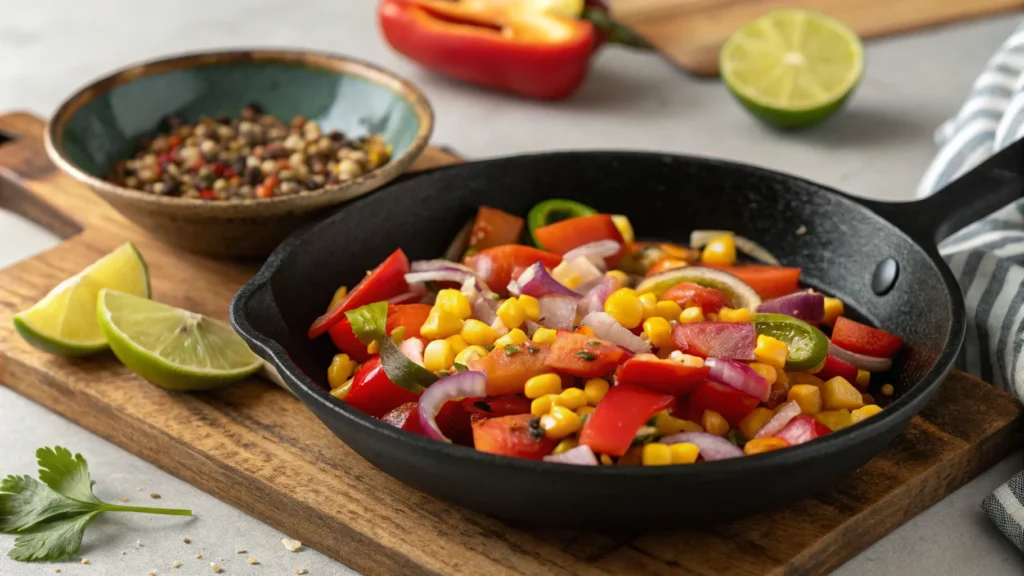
{"x":409,"y":316}
{"x":507,"y":405}
{"x":768,"y":281}
{"x":689,"y":294}
{"x":373,"y":393}
{"x":732,"y":404}
{"x":617,"y":417}
{"x":565,"y":235}
{"x":667,"y":376}
{"x":835,"y":367}
{"x":383,"y":282}
{"x":518,"y":436}
{"x":499,"y":45}
{"x":802,"y":429}
{"x":496,"y":266}
{"x":856,"y":337}
{"x":493,"y":227}
{"x":507,"y":373}
{"x":584,"y":356}
{"x":406,"y":417}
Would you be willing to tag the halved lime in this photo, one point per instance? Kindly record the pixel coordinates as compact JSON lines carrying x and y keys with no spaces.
{"x":170,"y":347}
{"x":64,"y":321}
{"x":792,"y":68}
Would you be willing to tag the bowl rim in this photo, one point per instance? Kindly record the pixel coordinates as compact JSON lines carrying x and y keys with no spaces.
{"x":320,"y":60}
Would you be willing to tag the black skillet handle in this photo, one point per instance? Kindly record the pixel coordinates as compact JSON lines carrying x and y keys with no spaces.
{"x":976,"y":194}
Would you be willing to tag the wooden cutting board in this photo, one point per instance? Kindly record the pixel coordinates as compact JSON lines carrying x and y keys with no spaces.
{"x":690,"y":32}
{"x":256,"y":447}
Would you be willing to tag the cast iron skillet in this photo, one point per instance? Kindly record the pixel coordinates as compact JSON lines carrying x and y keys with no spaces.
{"x":837,"y":240}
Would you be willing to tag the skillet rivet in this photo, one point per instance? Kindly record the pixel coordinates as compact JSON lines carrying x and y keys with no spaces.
{"x":885,"y":275}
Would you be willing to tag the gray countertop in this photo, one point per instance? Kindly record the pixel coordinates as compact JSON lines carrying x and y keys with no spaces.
{"x":877,"y":147}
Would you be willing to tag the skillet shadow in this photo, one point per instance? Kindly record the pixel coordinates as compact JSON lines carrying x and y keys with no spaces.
{"x":864,"y":126}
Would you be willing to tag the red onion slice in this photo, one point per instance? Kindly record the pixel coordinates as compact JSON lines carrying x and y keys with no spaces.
{"x":807,"y":306}
{"x":417,"y":278}
{"x":862,"y":362}
{"x":406,"y":298}
{"x":595,"y":251}
{"x":458,"y":385}
{"x":536,"y":281}
{"x":413,"y":350}
{"x":593,"y":300}
{"x":485,"y":308}
{"x":782,"y":417}
{"x":438,"y":264}
{"x":711,"y":447}
{"x":606,"y":328}
{"x":739,"y":376}
{"x":580,"y":456}
{"x":557,"y":312}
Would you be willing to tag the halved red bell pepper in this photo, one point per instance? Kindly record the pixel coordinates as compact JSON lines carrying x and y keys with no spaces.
{"x":861,"y":339}
{"x":383,"y":282}
{"x":501,"y":45}
{"x":732,"y":404}
{"x":768,"y":281}
{"x":802,"y":429}
{"x":565,"y":235}
{"x":373,"y":393}
{"x":623,"y":410}
{"x":406,"y":417}
{"x":497,"y":265}
{"x":409,"y":316}
{"x":507,"y":373}
{"x":518,"y":436}
{"x":493,"y":227}
{"x":667,"y":376}
{"x":835,"y":367}
{"x":688,"y":294}
{"x":584,"y":356}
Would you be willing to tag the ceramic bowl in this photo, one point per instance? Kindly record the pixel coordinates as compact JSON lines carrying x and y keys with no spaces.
{"x":101,"y":124}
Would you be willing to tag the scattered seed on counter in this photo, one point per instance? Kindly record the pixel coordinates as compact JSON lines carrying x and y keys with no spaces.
{"x":187,"y":540}
{"x":139,"y":544}
{"x":301,"y":571}
{"x":123,"y":500}
{"x":239,"y":550}
{"x":199,"y":556}
{"x":85,"y":560}
{"x":216,"y":568}
{"x":57,"y":570}
{"x":154,"y":495}
{"x":252,"y":561}
{"x":150,"y":573}
{"x":176,"y":564}
{"x":291,"y":545}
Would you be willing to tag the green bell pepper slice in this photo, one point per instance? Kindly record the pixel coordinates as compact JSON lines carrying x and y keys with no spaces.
{"x":555,"y":210}
{"x":808,"y":346}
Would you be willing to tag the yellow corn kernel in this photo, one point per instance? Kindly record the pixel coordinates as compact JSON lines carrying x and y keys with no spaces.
{"x":767,"y":371}
{"x":606,"y":460}
{"x":595,"y":389}
{"x":686,"y":359}
{"x":373,"y":348}
{"x":864,"y":413}
{"x":721,"y":251}
{"x":624,"y":306}
{"x":863,"y":379}
{"x":833,"y":310}
{"x":837,"y":394}
{"x":543,"y":385}
{"x":807,"y":396}
{"x":712,"y":317}
{"x":455,"y":302}
{"x":541,"y":406}
{"x":668,"y":424}
{"x":771,"y":351}
{"x":658,"y":331}
{"x":684,"y":453}
{"x":530,"y":306}
{"x":565,"y":445}
{"x":834,"y":419}
{"x":341,"y":369}
{"x":650,"y":301}
{"x":585,"y":411}
{"x":470,"y":353}
{"x":544,"y":336}
{"x":341,"y":392}
{"x":691,"y":315}
{"x":754,"y":421}
{"x":624,"y":227}
{"x":781,"y":379}
{"x":735,"y":315}
{"x":762,"y":445}
{"x":867,"y":399}
{"x":438,"y":355}
{"x":621,"y":277}
{"x":656,"y":455}
{"x":571,"y":398}
{"x":560,"y":422}
{"x":714,"y":423}
{"x":667,"y":309}
{"x":458,"y":344}
{"x":339,"y":295}
{"x":571,"y":282}
{"x":514,"y":337}
{"x":476,"y":332}
{"x":441,"y":324}
{"x":887,"y":390}
{"x":511,"y":313}
{"x":805,"y":378}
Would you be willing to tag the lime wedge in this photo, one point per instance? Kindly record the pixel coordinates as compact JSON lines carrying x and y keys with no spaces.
{"x":792,"y":68}
{"x":64,"y":321}
{"x":170,"y":347}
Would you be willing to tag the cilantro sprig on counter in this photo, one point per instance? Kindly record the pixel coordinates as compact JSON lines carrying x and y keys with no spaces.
{"x":49,"y":518}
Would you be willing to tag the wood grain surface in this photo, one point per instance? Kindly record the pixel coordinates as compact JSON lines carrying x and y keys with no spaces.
{"x":690,"y":32}
{"x":256,"y":447}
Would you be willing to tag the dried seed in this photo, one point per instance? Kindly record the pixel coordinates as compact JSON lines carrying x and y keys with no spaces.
{"x":85,"y":560}
{"x":291,"y":545}
{"x":239,"y":550}
{"x":150,"y":573}
{"x":186,"y":540}
{"x":301,"y":571}
{"x":124,"y":500}
{"x":199,"y":556}
{"x":252,"y":560}
{"x":216,"y":568}
{"x":176,"y":564}
{"x":139,"y":544}
{"x":57,"y":570}
{"x":154,"y":495}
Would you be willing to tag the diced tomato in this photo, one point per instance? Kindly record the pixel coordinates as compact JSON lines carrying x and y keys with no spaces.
{"x":767,"y":281}
{"x":373,"y":393}
{"x":861,"y":339}
{"x":518,"y":436}
{"x":732,"y":404}
{"x":495,"y":266}
{"x":565,"y":235}
{"x":383,"y":282}
{"x":835,"y":367}
{"x":584,"y":356}
{"x":617,"y":417}
{"x":508,"y":373}
{"x":689,"y":294}
{"x":735,"y":340}
{"x":493,"y":227}
{"x":802,"y":429}
{"x":406,"y":417}
{"x":667,"y":376}
{"x":411,"y":316}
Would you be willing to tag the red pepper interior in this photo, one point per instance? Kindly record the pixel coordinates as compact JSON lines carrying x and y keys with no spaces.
{"x":459,"y":20}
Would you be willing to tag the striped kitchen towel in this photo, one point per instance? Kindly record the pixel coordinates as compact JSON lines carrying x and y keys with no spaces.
{"x":987,"y":257}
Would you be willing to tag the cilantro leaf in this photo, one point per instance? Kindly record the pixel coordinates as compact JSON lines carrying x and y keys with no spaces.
{"x":52,"y":540}
{"x":25,"y":502}
{"x":66,"y":474}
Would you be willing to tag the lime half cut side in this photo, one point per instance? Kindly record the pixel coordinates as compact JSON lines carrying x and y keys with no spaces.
{"x":792,"y":68}
{"x":64,"y":321}
{"x":173,"y":348}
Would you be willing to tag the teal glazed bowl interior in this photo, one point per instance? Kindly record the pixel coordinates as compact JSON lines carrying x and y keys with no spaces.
{"x":103,"y":122}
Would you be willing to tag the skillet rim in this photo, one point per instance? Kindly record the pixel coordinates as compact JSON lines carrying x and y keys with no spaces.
{"x":295,"y":377}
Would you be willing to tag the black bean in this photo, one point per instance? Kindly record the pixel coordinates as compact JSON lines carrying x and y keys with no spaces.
{"x":170,"y":123}
{"x":239,"y":166}
{"x":312,"y":184}
{"x":253,"y":176}
{"x":336,"y":136}
{"x":251,"y":110}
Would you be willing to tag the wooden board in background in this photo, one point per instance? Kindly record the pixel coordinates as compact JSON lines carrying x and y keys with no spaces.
{"x":256,"y":447}
{"x":690,"y":32}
